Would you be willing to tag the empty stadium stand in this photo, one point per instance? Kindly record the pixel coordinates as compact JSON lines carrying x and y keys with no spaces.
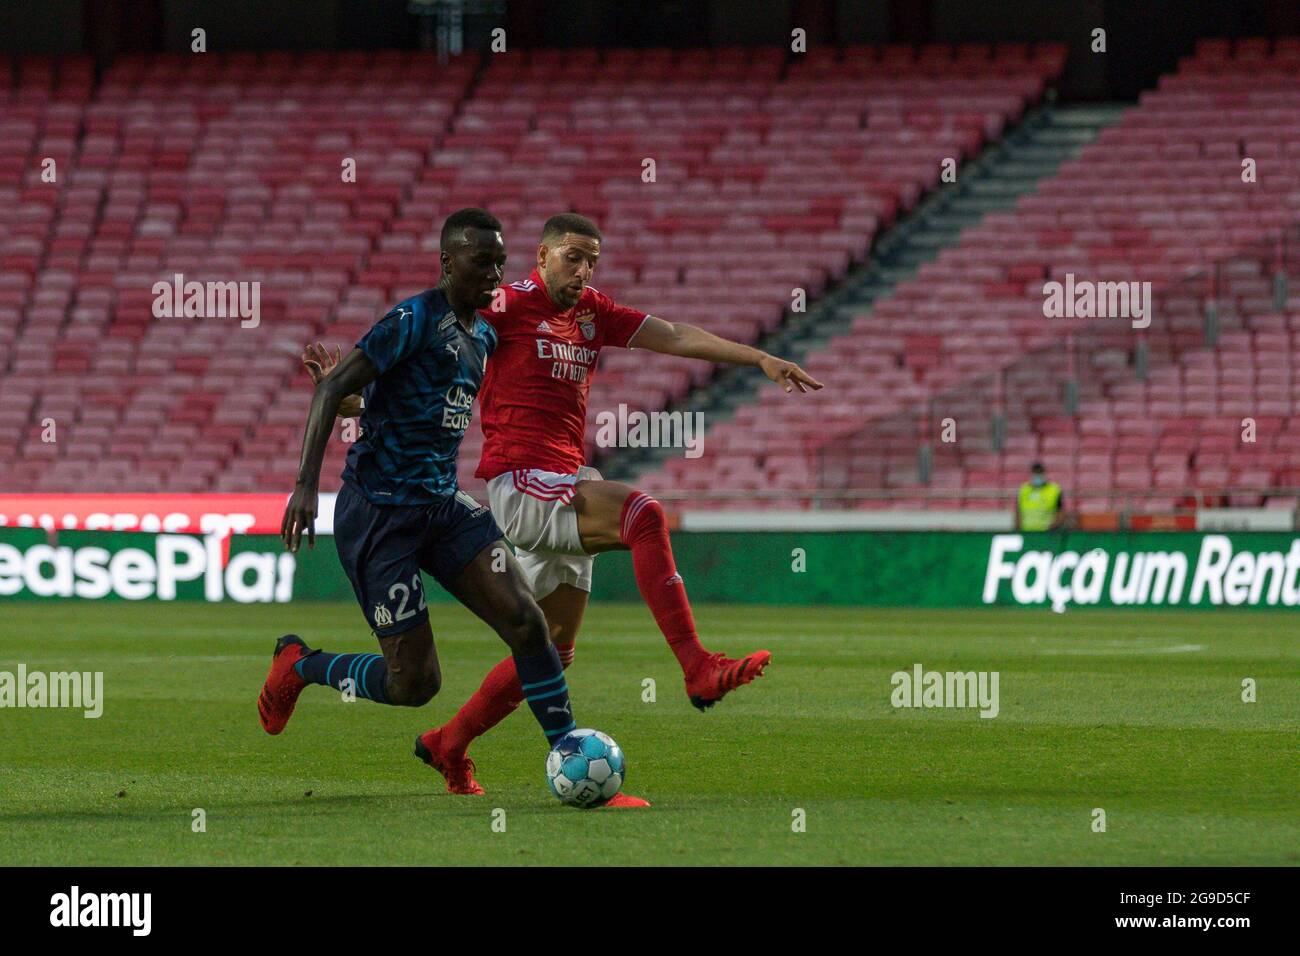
{"x":1161,"y":196}
{"x":770,"y":173}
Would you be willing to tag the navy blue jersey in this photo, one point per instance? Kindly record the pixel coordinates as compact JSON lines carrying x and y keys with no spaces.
{"x":417,"y":410}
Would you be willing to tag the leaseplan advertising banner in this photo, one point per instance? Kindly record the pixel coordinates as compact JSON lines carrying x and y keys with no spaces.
{"x":136,"y":566}
{"x":877,"y":569}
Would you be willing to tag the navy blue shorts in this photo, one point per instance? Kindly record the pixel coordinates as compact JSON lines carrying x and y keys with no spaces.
{"x":383,"y":548}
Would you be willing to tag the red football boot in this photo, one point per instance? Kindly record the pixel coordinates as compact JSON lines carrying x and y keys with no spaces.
{"x":715,"y":676}
{"x":458,"y":771}
{"x":283,"y":685}
{"x":627,"y":801}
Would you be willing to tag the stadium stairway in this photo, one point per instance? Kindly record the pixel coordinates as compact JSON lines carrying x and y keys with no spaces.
{"x":991,"y":182}
{"x":1167,"y":197}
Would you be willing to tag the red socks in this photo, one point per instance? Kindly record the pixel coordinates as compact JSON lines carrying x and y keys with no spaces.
{"x":644,"y":529}
{"x":496,"y":698}
{"x":494,"y":701}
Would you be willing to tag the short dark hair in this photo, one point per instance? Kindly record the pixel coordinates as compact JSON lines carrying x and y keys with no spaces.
{"x":1037,"y":466}
{"x":557,"y":226}
{"x":462,"y":219}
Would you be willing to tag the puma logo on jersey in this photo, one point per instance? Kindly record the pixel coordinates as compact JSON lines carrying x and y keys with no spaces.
{"x":561,"y":710}
{"x":454,"y":350}
{"x":403,"y":312}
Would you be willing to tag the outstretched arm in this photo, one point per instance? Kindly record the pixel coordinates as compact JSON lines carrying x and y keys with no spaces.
{"x":354,"y":373}
{"x":690,"y":341}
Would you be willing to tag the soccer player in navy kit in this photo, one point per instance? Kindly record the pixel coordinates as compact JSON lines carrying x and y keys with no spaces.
{"x":399,"y":510}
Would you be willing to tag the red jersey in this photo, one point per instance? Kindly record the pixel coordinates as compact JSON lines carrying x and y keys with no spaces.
{"x":533,"y":401}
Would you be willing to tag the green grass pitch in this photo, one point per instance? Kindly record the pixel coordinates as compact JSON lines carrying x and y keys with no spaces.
{"x":1139,"y":714}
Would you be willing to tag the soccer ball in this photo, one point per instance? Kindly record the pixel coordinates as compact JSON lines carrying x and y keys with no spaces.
{"x":585,"y":769}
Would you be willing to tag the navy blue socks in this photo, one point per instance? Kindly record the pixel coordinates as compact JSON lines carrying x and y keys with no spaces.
{"x":368,"y":673}
{"x":541,"y":678}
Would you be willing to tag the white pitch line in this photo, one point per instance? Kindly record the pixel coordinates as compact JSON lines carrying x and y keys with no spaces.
{"x":1098,"y":652}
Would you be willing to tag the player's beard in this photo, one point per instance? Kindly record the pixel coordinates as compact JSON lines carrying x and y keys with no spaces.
{"x":567,"y":297}
{"x":562,"y":295}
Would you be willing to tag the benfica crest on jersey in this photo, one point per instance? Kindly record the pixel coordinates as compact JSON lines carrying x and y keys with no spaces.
{"x":587,"y":323}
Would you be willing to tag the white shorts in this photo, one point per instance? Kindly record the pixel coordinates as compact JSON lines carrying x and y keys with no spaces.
{"x":535,"y":510}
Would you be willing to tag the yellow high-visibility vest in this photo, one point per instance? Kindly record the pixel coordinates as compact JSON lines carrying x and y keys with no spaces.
{"x":1038,"y":506}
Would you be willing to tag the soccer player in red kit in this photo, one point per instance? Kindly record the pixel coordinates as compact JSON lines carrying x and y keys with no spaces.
{"x":557,"y":512}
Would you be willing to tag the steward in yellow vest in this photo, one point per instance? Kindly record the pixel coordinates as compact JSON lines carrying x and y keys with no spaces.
{"x":1040,"y":501}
